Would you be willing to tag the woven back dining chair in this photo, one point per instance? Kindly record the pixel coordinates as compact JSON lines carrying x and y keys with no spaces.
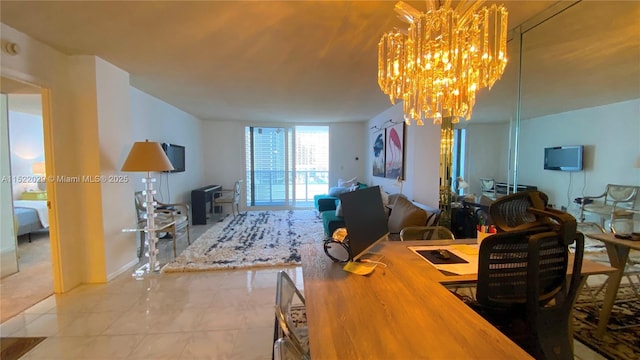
{"x":176,"y":213}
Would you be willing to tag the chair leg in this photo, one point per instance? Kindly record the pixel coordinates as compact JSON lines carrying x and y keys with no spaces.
{"x":188,"y":234}
{"x":173,"y":233}
{"x":142,"y":236}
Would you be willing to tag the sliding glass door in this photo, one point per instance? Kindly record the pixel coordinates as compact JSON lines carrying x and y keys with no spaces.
{"x":311,"y":163}
{"x":286,"y":166}
{"x":266,"y":166}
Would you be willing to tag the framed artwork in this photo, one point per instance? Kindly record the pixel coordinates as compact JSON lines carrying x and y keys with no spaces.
{"x":394,"y":151}
{"x":378,"y":141}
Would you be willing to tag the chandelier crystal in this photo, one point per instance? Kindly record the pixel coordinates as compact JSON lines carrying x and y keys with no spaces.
{"x":446,"y":55}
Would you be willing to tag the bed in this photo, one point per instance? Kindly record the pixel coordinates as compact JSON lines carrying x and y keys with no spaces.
{"x":30,"y":215}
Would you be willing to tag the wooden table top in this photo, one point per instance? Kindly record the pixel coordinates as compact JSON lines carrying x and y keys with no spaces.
{"x":610,"y":238}
{"x":396,"y":312}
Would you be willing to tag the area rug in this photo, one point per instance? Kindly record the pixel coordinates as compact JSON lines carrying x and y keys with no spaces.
{"x":622,"y":337}
{"x":253,"y":239}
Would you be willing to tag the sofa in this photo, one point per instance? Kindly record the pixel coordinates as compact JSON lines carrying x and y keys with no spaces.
{"x":401,"y":213}
{"x":330,"y":201}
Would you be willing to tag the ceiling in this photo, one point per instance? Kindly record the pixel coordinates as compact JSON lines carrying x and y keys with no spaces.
{"x":315,"y":61}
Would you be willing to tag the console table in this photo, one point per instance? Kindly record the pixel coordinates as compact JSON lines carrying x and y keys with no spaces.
{"x":200,"y":197}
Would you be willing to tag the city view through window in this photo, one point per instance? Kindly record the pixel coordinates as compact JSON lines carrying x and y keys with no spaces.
{"x":286,"y":166}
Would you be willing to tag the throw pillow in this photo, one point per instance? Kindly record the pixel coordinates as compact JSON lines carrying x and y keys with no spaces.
{"x":347,"y":183}
{"x":337,"y":190}
{"x":385,"y":197}
{"x":405,"y":213}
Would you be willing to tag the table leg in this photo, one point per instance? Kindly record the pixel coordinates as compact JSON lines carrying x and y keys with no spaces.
{"x":618,"y":256}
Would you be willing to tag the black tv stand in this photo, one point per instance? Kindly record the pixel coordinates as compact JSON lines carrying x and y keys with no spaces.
{"x":200,"y":197}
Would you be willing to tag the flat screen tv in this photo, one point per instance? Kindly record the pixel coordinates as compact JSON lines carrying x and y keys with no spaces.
{"x":175,"y":153}
{"x":563,"y":158}
{"x":365,"y":219}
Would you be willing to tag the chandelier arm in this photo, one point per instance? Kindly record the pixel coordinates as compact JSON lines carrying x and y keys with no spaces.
{"x":467,"y":14}
{"x":432,"y":5}
{"x":406,"y":12}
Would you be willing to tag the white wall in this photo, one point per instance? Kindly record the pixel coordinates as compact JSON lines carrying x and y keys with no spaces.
{"x":41,"y":65}
{"x":155,"y":120}
{"x":223,"y":148}
{"x":347,"y":152}
{"x":87,"y":133}
{"x":611,"y":136}
{"x":114,"y":136}
{"x":421,"y":158}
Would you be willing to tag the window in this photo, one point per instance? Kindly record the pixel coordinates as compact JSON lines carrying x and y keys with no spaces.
{"x":286,"y":166}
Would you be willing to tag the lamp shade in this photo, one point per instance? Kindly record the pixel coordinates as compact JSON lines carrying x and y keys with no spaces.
{"x":147,"y":156}
{"x":37,"y":168}
{"x":462,"y":184}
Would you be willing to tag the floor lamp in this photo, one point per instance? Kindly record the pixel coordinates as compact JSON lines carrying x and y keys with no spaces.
{"x":147,"y":157}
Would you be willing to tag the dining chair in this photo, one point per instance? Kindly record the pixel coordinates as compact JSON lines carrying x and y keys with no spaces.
{"x":230,"y":197}
{"x":291,"y":313}
{"x":523,"y":288}
{"x":611,"y":205}
{"x":426,"y":233}
{"x":177,"y":213}
{"x":488,"y":187}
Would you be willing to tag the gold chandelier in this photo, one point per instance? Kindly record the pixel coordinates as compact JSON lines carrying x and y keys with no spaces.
{"x":446,"y":55}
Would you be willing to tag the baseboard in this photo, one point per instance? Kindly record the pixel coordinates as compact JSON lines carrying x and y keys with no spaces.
{"x":123,"y":269}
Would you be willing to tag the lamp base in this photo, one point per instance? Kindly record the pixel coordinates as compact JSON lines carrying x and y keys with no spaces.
{"x":152,"y":266}
{"x":144,"y":271}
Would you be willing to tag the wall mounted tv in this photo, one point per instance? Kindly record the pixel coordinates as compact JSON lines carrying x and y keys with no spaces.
{"x":175,"y":153}
{"x":564,"y":158}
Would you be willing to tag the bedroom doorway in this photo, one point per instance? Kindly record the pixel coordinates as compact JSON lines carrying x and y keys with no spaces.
{"x":27,"y":198}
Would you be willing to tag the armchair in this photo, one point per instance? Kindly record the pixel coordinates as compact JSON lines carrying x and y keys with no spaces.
{"x":230,"y":197}
{"x":614,"y":203}
{"x":488,"y":188}
{"x":177,"y":213}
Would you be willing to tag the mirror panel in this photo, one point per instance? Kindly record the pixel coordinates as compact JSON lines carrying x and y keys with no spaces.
{"x":579,"y":86}
{"x":580,"y":76}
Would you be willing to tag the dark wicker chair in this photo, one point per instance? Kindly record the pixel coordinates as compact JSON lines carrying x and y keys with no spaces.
{"x":522,"y":274}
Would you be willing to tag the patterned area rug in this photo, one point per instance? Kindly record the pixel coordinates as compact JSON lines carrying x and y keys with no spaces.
{"x":254,"y":239}
{"x":622,"y":338}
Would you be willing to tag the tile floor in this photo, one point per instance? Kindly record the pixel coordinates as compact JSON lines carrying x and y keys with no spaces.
{"x":198,"y":315}
{"x":204,"y":315}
